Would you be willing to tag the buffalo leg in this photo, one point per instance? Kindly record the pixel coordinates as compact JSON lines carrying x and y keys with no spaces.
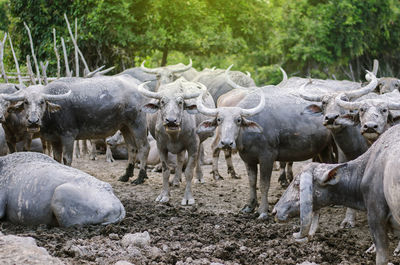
{"x":27,"y":142}
{"x":57,"y":151}
{"x":231,"y":169}
{"x":265,"y":179}
{"x":203,"y":158}
{"x":77,"y":149}
{"x":68,"y":150}
{"x":289,"y":171}
{"x":85,"y":149}
{"x":282,"y":175}
{"x":109,"y":156}
{"x":252,"y":175}
{"x":93,"y":151}
{"x":164,"y":195}
{"x":131,"y":155}
{"x":188,"y":198}
{"x":199,"y":171}
{"x":143,"y":148}
{"x":11,"y":147}
{"x":180,"y":159}
{"x":215,"y":171}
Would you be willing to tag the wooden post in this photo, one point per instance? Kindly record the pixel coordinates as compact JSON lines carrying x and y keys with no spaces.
{"x":15,"y":60}
{"x":57,"y":55}
{"x":44,"y":69}
{"x":76,"y":45}
{"x":33,"y":53}
{"x":30,"y":72}
{"x":3,"y":70}
{"x":67,"y":71}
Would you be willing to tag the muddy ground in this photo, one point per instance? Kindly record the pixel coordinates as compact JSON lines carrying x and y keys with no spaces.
{"x":211,"y":231}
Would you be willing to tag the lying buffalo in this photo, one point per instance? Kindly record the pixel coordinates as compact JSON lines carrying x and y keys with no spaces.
{"x":35,"y":189}
{"x":370,"y":183}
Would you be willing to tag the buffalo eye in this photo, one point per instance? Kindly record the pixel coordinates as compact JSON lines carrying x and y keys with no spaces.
{"x":170,"y":76}
{"x":218,"y":120}
{"x":361,"y":109}
{"x":396,"y":85}
{"x":42,"y":102}
{"x":162,"y":102}
{"x":158,"y":75}
{"x":384,"y":110}
{"x":324,"y":102}
{"x":26,"y":102}
{"x":239,"y":120}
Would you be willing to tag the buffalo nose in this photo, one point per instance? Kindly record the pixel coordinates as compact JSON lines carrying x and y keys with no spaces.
{"x":33,"y":121}
{"x":370,"y":125}
{"x":331,"y":116}
{"x":170,"y":120}
{"x":227,"y":143}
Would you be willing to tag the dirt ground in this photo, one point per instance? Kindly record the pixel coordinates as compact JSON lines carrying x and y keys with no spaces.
{"x":211,"y":231}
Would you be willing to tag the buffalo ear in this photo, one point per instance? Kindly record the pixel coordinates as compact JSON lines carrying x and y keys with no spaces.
{"x":251,"y":126}
{"x":51,"y":107}
{"x":207,"y":126}
{"x":349,"y":119}
{"x":151,"y":108}
{"x":191,"y":109}
{"x":393,"y":120}
{"x":313,"y":109}
{"x":331,"y":176}
{"x":17,"y":107}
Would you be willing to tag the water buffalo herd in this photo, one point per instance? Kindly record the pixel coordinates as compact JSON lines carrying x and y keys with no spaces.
{"x":162,"y":116}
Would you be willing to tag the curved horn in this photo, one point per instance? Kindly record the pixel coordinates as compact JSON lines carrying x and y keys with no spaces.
{"x":148,"y":93}
{"x":190,"y":96}
{"x":346,"y":104}
{"x":91,"y":74}
{"x":311,"y":98}
{"x":285,"y":78}
{"x":394,"y":105}
{"x":254,"y":111}
{"x":185,"y":68}
{"x":229,"y":80}
{"x":203,"y":109}
{"x":13,"y":97}
{"x":248,"y":73}
{"x":105,"y":71}
{"x":148,"y":70}
{"x":364,"y":90}
{"x":57,"y":97}
{"x":213,"y":69}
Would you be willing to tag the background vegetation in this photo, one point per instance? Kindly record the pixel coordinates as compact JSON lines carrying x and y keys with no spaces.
{"x":317,"y":38}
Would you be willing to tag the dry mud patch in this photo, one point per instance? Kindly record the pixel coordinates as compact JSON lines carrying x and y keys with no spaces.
{"x":211,"y":231}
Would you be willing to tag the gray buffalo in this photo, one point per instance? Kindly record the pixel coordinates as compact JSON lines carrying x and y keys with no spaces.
{"x":88,"y":109}
{"x":35,"y":189}
{"x":350,"y":143}
{"x":369,"y":183}
{"x":276,"y":132}
{"x":174,"y":128}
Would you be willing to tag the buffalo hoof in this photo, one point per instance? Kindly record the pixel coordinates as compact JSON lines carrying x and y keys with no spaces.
{"x":263,"y":216}
{"x":289,"y":176}
{"x":396,"y":252}
{"x":200,"y":180}
{"x":247,"y":209}
{"x":216,"y":175}
{"x":186,"y":201}
{"x":206,"y":162}
{"x":162,"y":198}
{"x":124,"y":178}
{"x":110,"y":160}
{"x":283,"y":182}
{"x":371,"y":249}
{"x":231,"y":171}
{"x":298,"y":238}
{"x":141,"y":178}
{"x":348,"y":222}
{"x":175,"y":183}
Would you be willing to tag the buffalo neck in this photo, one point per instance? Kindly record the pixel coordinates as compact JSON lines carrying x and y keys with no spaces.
{"x":347,"y":191}
{"x":350,"y":141}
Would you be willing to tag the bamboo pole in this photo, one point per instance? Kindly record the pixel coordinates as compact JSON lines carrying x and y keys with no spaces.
{"x":3,"y":70}
{"x":15,"y":60}
{"x":30,"y":72}
{"x":44,"y":71}
{"x":33,"y":53}
{"x":67,"y":70}
{"x":57,"y":54}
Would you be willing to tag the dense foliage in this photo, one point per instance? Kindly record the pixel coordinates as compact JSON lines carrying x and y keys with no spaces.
{"x":318,"y":38}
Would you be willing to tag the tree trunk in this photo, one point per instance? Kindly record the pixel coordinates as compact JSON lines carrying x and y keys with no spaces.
{"x":164,"y":56}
